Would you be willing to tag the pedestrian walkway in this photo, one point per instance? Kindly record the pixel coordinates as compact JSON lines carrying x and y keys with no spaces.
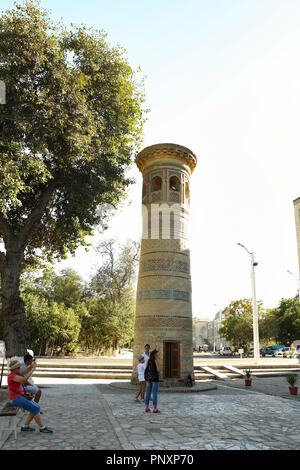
{"x":96,"y":415}
{"x":78,"y":416}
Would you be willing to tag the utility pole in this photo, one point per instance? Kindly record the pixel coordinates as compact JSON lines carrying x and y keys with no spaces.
{"x":254,"y":306}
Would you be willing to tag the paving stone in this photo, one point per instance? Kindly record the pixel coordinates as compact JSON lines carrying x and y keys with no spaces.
{"x":88,"y":416}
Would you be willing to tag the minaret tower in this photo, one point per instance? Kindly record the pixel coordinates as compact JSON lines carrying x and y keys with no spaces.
{"x":163,"y":301}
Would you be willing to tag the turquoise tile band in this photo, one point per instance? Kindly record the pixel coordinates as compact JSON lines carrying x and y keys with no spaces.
{"x":164,"y":294}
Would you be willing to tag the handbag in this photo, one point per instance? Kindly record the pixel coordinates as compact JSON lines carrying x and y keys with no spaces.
{"x":151,"y":374}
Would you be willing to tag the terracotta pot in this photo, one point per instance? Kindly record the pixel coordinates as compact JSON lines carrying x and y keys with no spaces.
{"x":293,"y":390}
{"x":248,"y":382}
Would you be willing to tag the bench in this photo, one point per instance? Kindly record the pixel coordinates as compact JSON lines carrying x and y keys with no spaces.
{"x":11,"y":411}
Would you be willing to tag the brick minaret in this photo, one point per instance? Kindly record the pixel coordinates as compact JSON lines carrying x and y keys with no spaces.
{"x":163,"y":302}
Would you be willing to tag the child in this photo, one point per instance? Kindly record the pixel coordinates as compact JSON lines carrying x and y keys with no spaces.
{"x":141,"y":377}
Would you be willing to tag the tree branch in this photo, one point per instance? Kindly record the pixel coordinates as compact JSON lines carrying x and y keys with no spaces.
{"x":5,"y":229}
{"x":34,"y":219}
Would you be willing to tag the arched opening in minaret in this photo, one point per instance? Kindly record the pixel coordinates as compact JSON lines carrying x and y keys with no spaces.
{"x":174,"y":184}
{"x":156,"y":183}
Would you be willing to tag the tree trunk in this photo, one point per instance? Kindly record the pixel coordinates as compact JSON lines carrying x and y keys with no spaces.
{"x":13,"y":308}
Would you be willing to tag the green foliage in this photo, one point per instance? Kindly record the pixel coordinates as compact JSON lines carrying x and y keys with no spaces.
{"x":52,"y":327}
{"x":278,"y":325}
{"x":268,"y":327}
{"x":117,"y":271}
{"x":286,"y":318}
{"x":248,"y":373}
{"x":110,"y":322}
{"x":69,"y":129}
{"x":64,"y":313}
{"x":238,"y":324}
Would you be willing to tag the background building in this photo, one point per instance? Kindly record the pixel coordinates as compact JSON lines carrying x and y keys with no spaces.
{"x":214,"y":337}
{"x":207,"y":332}
{"x":200,"y":332}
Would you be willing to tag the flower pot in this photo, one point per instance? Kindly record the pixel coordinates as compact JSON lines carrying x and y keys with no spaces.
{"x":248,"y":382}
{"x":293,"y":390}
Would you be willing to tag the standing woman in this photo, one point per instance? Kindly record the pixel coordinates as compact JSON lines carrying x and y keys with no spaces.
{"x":152,"y":378}
{"x":16,"y":396}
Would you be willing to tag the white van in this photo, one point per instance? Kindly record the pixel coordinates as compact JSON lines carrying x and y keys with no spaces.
{"x":225,"y":351}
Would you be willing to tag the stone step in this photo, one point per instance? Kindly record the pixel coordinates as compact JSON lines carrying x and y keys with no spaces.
{"x":76,"y":369}
{"x":249,"y":366}
{"x":218,"y":374}
{"x":83,"y":375}
{"x":121,"y":371}
{"x":238,"y":372}
{"x":53,"y":365}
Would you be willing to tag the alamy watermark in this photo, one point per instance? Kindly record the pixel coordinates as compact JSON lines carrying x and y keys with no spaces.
{"x":159,"y":221}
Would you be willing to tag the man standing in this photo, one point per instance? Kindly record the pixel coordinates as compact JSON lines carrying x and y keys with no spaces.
{"x":146,"y":354}
{"x":29,"y":386}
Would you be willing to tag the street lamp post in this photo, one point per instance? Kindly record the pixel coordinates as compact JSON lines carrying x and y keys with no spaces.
{"x":254,"y":305}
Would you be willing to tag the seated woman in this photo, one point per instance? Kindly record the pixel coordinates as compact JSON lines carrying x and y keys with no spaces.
{"x":16,"y":396}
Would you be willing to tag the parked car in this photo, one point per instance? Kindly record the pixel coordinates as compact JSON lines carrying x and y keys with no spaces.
{"x":296,"y":353}
{"x":226,"y":351}
{"x":278,"y":353}
{"x":273,"y":351}
{"x":251,"y":352}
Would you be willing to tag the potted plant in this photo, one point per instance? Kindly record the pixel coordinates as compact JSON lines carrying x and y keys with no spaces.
{"x":292,"y":379}
{"x":248,"y":379}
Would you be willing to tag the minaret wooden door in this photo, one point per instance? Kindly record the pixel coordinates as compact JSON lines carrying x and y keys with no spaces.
{"x":171,"y":359}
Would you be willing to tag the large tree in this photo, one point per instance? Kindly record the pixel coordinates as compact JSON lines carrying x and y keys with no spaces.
{"x":117,"y":272}
{"x":71,"y":124}
{"x":113,"y":291}
{"x":286,"y":318}
{"x":237,"y":327}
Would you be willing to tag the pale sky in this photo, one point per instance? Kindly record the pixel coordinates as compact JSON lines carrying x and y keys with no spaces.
{"x":223,"y":79}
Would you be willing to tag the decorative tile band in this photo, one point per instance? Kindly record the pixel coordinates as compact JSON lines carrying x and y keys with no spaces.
{"x":159,"y":251}
{"x":165,"y":275}
{"x":163,"y":294}
{"x":166,"y":322}
{"x":160,"y":264}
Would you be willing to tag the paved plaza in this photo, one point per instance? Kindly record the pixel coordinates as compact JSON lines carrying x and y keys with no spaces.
{"x":92,"y":414}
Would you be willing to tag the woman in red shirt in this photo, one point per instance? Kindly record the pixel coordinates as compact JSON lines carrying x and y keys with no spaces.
{"x":16,"y":396}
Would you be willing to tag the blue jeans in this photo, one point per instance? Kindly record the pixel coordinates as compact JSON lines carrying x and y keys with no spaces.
{"x":148,"y":393}
{"x":27,"y":405}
